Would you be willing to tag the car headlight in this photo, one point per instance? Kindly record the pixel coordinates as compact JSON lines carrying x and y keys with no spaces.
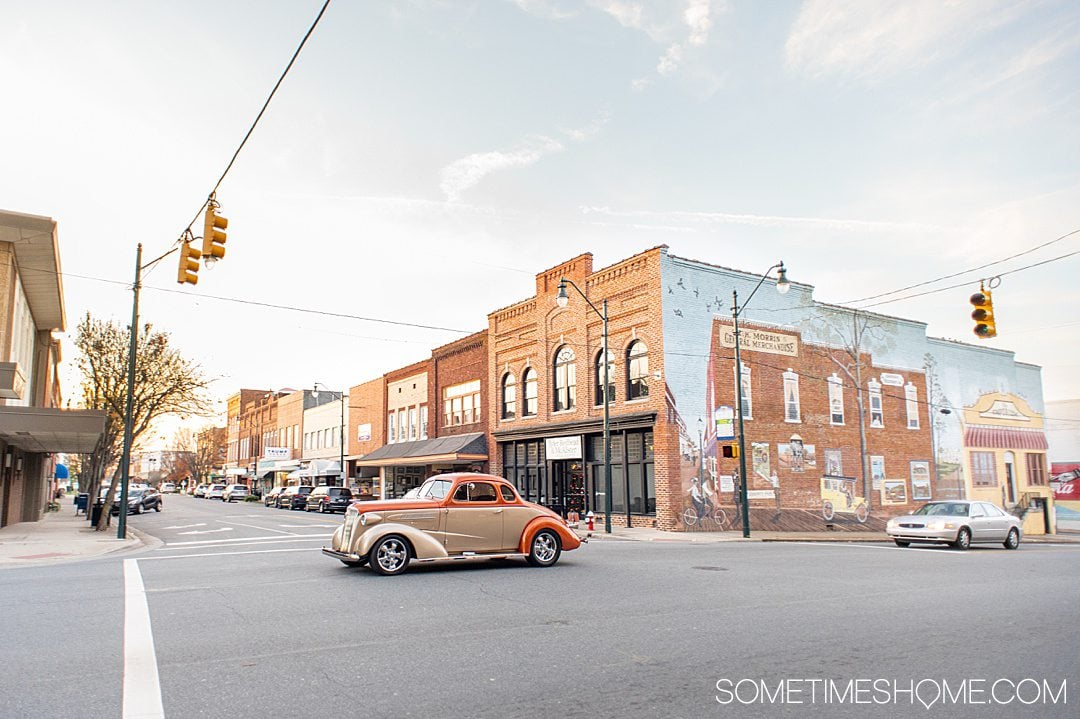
{"x":363,"y":520}
{"x":891,"y":524}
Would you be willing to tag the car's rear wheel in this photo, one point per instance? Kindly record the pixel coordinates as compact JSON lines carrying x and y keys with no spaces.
{"x":902,"y":543}
{"x":544,"y":549}
{"x":861,"y":513}
{"x":963,"y":539}
{"x":322,"y":507}
{"x":389,"y":556}
{"x":827,"y":511}
{"x":157,"y":507}
{"x":1013,"y":540}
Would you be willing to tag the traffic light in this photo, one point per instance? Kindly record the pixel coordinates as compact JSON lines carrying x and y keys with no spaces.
{"x":213,"y":244}
{"x":983,"y":314}
{"x":189,"y":264}
{"x":731,"y":451}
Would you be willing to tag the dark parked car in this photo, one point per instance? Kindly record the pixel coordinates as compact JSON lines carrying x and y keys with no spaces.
{"x":329,"y":499}
{"x":294,"y":497}
{"x":270,"y":498}
{"x":139,"y":501}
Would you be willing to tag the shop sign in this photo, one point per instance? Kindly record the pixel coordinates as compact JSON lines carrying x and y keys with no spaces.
{"x":772,"y":343}
{"x":727,"y":483}
{"x":563,"y":447}
{"x":760,"y":494}
{"x":276,"y":453}
{"x":363,"y":433}
{"x":725,"y":423}
{"x":892,"y":379}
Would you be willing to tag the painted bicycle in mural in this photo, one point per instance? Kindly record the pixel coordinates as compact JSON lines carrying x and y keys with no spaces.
{"x":704,"y":509}
{"x":838,"y":497}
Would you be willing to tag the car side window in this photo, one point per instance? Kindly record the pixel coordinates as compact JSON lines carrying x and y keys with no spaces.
{"x":507,"y":493}
{"x":475,"y":492}
{"x":991,"y":510}
{"x":977,"y":511}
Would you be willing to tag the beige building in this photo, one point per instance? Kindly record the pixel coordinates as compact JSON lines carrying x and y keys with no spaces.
{"x":33,"y":427}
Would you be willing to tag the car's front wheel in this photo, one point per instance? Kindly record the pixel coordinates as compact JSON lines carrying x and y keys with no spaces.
{"x":963,"y":539}
{"x":827,"y":511}
{"x":1013,"y":540}
{"x":545,"y":549}
{"x":389,"y":556}
{"x":157,"y":507}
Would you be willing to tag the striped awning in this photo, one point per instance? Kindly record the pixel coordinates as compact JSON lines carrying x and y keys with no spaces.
{"x":1004,"y":438}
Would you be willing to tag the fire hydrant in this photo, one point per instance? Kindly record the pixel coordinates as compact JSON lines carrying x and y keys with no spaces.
{"x":590,"y":521}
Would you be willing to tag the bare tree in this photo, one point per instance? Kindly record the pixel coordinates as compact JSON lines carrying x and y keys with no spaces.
{"x":197,"y":455}
{"x":166,"y":383}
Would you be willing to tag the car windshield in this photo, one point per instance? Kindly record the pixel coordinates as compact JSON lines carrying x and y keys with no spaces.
{"x":435,"y":488}
{"x":135,"y":493}
{"x":937,"y":509}
{"x":304,"y":490}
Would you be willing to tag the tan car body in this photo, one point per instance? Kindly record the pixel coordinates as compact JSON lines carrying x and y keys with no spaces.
{"x":447,"y":528}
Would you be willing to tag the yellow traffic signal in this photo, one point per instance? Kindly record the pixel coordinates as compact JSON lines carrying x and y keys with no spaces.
{"x":189,"y":264}
{"x":983,"y":314}
{"x":730,"y":450}
{"x":213,"y":245}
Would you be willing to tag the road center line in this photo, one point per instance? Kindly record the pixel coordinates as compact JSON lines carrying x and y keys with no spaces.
{"x":226,"y":554}
{"x":251,"y":540}
{"x":255,"y":526}
{"x":142,"y":689}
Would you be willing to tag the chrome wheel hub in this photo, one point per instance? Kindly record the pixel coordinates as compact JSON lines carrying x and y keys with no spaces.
{"x":544,"y":548}
{"x":392,"y":555}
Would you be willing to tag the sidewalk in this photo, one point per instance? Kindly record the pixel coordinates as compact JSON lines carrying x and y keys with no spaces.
{"x":639,"y":534}
{"x":60,"y":537}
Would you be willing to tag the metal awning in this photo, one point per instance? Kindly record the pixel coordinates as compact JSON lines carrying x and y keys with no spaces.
{"x":317,"y":468}
{"x":281,"y":465}
{"x":235,"y":471}
{"x":1004,"y":438}
{"x":455,"y":448}
{"x":48,"y":429}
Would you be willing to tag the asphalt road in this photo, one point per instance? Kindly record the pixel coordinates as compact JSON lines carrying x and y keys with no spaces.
{"x":248,"y":619}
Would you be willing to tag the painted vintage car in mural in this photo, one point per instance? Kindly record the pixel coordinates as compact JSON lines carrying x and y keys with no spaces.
{"x":453,"y":517}
{"x":838,"y":497}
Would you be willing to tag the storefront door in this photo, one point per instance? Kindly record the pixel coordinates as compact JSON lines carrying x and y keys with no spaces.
{"x":566,"y":492}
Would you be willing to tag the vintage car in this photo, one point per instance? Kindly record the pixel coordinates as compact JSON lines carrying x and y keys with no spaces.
{"x":455,"y":517}
{"x":838,"y":496}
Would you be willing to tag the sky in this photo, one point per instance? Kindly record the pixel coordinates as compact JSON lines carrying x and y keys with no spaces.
{"x":422,"y":161}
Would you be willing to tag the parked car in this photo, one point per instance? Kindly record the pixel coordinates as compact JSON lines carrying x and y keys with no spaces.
{"x":957,"y":522}
{"x":234,"y":492}
{"x":215,"y":491}
{"x":169,"y":488}
{"x":294,"y":497}
{"x":200,"y":490}
{"x":139,"y":501}
{"x":270,"y":499}
{"x":329,"y":499}
{"x":456,"y":516}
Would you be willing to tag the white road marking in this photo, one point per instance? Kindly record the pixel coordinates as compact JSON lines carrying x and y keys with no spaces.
{"x":941,"y":551}
{"x":186,"y":526}
{"x":259,"y":540}
{"x":254,"y":526}
{"x":226,"y":554}
{"x":142,"y":689}
{"x":207,"y":531}
{"x":309,"y":524}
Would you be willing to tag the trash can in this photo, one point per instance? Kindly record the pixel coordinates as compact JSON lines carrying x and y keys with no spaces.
{"x":80,"y":502}
{"x":95,"y":513}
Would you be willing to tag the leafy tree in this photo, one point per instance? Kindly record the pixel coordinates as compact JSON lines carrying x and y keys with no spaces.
{"x":166,"y":383}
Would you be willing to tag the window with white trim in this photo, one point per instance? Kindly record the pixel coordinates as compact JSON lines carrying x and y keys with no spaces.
{"x":637,"y":371}
{"x":509,"y":396}
{"x":391,"y":428}
{"x":461,"y":403}
{"x":532,"y":393}
{"x":412,"y":424}
{"x":791,"y":397}
{"x":911,"y":400}
{"x":565,"y":379}
{"x":747,"y":394}
{"x":836,"y":399}
{"x":423,"y":421}
{"x":877,"y":413}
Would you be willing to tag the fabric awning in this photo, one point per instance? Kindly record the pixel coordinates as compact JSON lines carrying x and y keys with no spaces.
{"x":455,"y":448}
{"x":61,"y":472}
{"x":1004,"y":438}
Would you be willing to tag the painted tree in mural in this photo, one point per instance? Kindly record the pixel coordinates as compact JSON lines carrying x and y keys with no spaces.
{"x":166,"y":383}
{"x":848,"y":336}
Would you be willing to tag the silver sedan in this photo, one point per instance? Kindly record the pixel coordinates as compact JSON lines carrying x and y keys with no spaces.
{"x":959,"y":523}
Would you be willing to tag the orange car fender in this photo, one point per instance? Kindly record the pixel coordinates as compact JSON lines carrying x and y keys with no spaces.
{"x":424,"y":545}
{"x":568,"y":539}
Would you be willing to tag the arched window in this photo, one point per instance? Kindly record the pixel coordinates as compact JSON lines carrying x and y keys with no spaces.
{"x":599,"y":378}
{"x":529,"y":380}
{"x":637,"y":370}
{"x":509,"y":396}
{"x":565,"y":379}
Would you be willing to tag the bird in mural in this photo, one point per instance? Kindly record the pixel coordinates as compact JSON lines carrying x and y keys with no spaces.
{"x":680,"y":284}
{"x":696,"y":292}
{"x":678,"y":313}
{"x":670,"y":291}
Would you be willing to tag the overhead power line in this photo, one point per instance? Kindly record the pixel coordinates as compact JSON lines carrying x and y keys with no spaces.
{"x":964,"y":272}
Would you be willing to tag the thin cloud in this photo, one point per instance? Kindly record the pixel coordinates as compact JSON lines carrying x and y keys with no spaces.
{"x":547,"y":9}
{"x":697,"y":218}
{"x":869,"y":41}
{"x":463,"y":174}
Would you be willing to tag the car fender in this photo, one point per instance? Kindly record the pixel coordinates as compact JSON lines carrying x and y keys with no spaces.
{"x":424,"y":545}
{"x":568,"y":539}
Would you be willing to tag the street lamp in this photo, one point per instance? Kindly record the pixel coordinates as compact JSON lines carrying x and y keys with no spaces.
{"x":562,"y":300}
{"x":782,"y":286}
{"x":341,"y":439}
